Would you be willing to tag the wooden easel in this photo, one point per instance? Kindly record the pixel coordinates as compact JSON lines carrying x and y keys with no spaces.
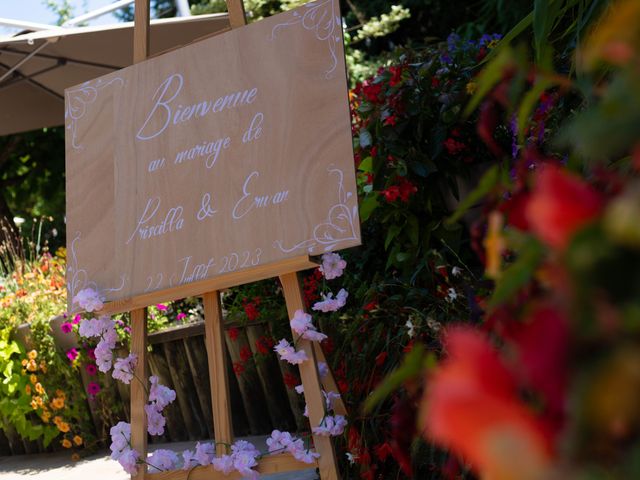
{"x":287,"y":271}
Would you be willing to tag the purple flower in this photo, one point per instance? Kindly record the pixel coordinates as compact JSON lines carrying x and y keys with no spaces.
{"x":76,"y":319}
{"x":181,"y":316}
{"x":161,"y":307}
{"x":66,"y":327}
{"x":93,"y":388}
{"x":91,"y":369}
{"x":72,"y":354}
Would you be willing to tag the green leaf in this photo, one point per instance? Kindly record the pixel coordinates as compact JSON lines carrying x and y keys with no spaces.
{"x":367,"y":205}
{"x":488,"y":181}
{"x":412,"y":366}
{"x":518,"y":273}
{"x":366,"y":165}
{"x":393,"y":232}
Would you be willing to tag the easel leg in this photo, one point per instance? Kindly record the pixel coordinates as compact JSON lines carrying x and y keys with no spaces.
{"x":311,"y":381}
{"x":214,"y":340}
{"x":138,"y":389}
{"x":329,"y":382}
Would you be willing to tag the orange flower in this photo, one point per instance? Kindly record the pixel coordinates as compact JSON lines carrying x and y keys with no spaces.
{"x":77,"y":440}
{"x":560,"y":204}
{"x":472,"y":407}
{"x":63,"y":427}
{"x":33,"y":379}
{"x":43,"y":367}
{"x":34,"y":404}
{"x":57,"y":420}
{"x":66,"y":443}
{"x":27,"y":389}
{"x":57,"y":403}
{"x":24,"y":362}
{"x":46,"y":416}
{"x":39,"y":388}
{"x":61,"y":394}
{"x":33,"y":354}
{"x":32,"y":366}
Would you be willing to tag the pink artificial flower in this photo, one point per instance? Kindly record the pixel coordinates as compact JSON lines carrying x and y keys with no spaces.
{"x":76,"y":319}
{"x":91,"y":369}
{"x":66,"y":327}
{"x":120,"y":439}
{"x":289,"y":354}
{"x":301,"y":324}
{"x":155,"y":420}
{"x":162,"y":460}
{"x":160,"y":394}
{"x":331,"y":426}
{"x":189,"y":460}
{"x":129,"y":461}
{"x":223,"y":464}
{"x":181,"y":316}
{"x":93,"y":388}
{"x":88,"y":299}
{"x":161,"y":307}
{"x":332,"y":265}
{"x":72,"y":354}
{"x":330,"y":304}
{"x":124,"y":367}
{"x":205,"y":452}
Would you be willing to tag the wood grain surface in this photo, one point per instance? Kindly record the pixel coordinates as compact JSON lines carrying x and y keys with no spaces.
{"x":228,"y":154}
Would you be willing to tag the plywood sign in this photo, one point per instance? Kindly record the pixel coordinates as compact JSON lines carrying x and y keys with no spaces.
{"x":229,"y":153}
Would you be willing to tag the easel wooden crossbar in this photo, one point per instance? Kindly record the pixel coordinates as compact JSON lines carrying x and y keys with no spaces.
{"x":287,"y":271}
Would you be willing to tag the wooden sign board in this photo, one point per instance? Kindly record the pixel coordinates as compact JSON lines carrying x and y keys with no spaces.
{"x":224,"y":155}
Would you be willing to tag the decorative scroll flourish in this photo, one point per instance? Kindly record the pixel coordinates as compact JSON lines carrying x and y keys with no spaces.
{"x":339,"y":225}
{"x":78,"y":279}
{"x":323,"y":20}
{"x":78,"y":100}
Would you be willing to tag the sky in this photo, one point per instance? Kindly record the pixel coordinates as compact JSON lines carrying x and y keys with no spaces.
{"x":36,"y":11}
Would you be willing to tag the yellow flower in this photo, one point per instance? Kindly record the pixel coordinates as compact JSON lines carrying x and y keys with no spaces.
{"x":61,"y":394}
{"x":63,"y":427}
{"x":77,"y":440}
{"x":46,"y":416}
{"x":27,"y":389}
{"x":471,"y":88}
{"x":40,"y":401}
{"x":33,"y":379}
{"x":32,"y":366}
{"x":32,"y":355}
{"x":57,"y":403}
{"x":34,"y":404}
{"x":66,"y":443}
{"x":39,"y":388}
{"x":57,"y":420}
{"x":24,"y":362}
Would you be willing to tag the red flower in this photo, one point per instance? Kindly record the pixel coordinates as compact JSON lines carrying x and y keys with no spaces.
{"x":93,"y":388}
{"x":91,"y":369}
{"x":382,"y":451}
{"x":371,"y":91}
{"x":472,"y":406}
{"x":343,"y":386}
{"x":251,"y":310}
{"x":238,"y":368}
{"x":453,"y":146}
{"x":290,"y":380}
{"x":435,"y":82}
{"x":396,"y":75}
{"x":391,"y":120}
{"x":374,"y":151}
{"x":406,"y":189}
{"x":373,"y":304}
{"x":391,"y":194}
{"x":264,"y":345}
{"x":233,"y":333}
{"x":560,"y":204}
{"x":245,"y":353}
{"x":380,"y":358}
